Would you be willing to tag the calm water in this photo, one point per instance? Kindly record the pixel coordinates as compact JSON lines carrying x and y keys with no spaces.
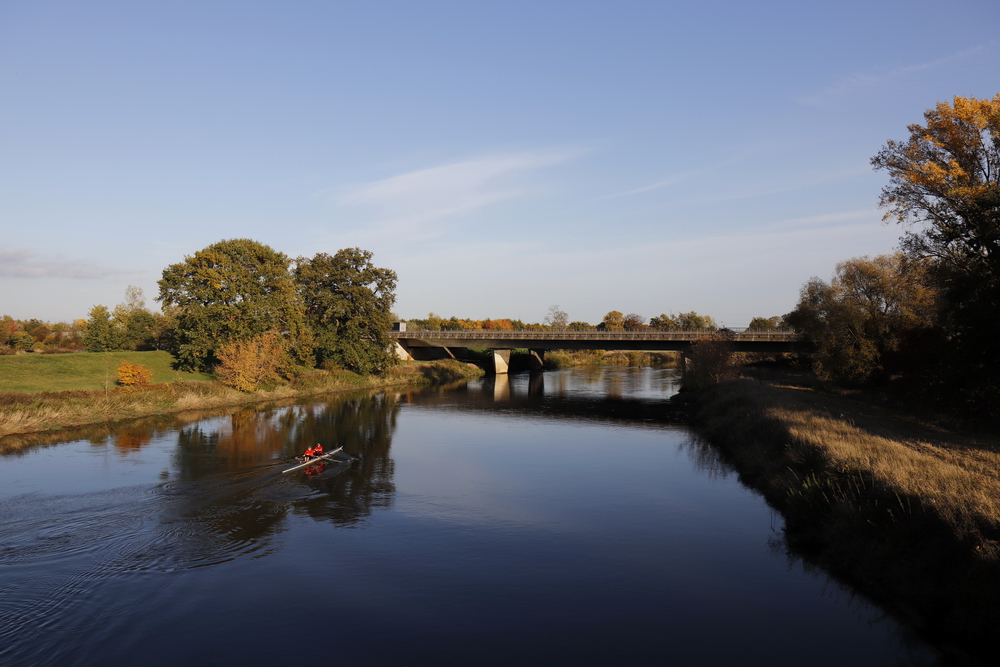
{"x":530,"y":520}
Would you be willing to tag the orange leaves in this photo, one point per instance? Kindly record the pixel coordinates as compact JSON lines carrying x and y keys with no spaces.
{"x":246,"y":365}
{"x":948,"y":167}
{"x":133,"y":376}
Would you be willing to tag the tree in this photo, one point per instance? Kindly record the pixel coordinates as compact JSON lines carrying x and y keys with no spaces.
{"x":613,"y":321}
{"x":100,"y":334}
{"x":230,"y":291}
{"x":766,"y":323}
{"x":694,"y":321}
{"x":348,"y":303}
{"x":135,"y":324}
{"x":634,"y":322}
{"x":946,"y":175}
{"x":556,"y":318}
{"x":864,"y":314}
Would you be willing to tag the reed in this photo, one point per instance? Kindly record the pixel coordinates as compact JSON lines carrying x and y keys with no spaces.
{"x":908,"y":512}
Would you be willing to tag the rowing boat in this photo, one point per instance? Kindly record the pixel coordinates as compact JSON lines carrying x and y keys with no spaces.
{"x":318,"y":459}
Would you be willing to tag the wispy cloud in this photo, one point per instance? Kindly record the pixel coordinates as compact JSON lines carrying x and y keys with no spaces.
{"x":458,"y":188}
{"x":852,"y":83}
{"x":28,"y":264}
{"x":680,"y":177}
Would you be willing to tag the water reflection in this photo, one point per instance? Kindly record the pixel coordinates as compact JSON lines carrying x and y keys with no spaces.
{"x":506,"y":526}
{"x":592,"y":393}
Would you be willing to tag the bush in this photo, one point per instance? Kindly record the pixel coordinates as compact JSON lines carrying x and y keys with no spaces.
{"x":133,"y":376}
{"x":248,"y":364}
{"x":711,"y":361}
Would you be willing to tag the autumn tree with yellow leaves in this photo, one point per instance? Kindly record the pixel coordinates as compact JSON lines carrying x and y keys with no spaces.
{"x":944,"y":181}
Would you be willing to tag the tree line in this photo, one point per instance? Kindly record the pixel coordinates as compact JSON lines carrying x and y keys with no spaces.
{"x":926,"y":317}
{"x":33,"y":334}
{"x":250,"y":312}
{"x":558,"y":319}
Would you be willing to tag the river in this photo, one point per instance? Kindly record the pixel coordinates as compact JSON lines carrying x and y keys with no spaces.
{"x":536,"y":519}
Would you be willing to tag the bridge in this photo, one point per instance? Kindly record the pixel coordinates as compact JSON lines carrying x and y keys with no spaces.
{"x":424,"y":345}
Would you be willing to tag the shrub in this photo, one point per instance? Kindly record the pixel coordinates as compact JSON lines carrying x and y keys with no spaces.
{"x":133,"y":376}
{"x":245,"y":365}
{"x":711,"y":362}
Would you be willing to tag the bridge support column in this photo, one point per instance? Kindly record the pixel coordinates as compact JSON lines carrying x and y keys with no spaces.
{"x":402,"y":353}
{"x":537,"y":360}
{"x":501,"y":361}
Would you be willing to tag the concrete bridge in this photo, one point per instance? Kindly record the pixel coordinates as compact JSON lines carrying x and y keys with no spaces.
{"x":441,"y":344}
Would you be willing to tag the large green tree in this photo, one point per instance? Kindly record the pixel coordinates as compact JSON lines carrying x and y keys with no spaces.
{"x":348,"y":304}
{"x":946,"y":178}
{"x":232,"y":290}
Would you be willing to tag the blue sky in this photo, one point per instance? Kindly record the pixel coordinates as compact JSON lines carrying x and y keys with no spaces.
{"x":645,"y":157}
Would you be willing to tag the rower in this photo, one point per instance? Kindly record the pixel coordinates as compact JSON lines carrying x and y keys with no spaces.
{"x":318,"y":449}
{"x":309,"y":454}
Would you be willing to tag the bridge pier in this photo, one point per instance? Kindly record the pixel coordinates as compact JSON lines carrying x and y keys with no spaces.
{"x":501,"y":361}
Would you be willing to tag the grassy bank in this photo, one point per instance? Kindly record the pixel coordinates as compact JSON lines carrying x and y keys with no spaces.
{"x":83,"y":371}
{"x":906,"y":512}
{"x":34,"y":412}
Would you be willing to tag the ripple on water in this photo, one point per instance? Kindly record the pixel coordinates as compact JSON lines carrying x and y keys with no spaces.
{"x":58,"y":553}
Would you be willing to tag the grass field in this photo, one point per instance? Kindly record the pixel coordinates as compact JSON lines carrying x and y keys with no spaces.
{"x":83,"y":371}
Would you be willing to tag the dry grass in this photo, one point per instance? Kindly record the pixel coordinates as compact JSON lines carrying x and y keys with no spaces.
{"x":22,"y":413}
{"x":560,"y":359}
{"x":904,"y":510}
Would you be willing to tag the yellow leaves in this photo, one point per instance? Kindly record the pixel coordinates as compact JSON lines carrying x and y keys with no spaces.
{"x":133,"y":376}
{"x":245,"y":365}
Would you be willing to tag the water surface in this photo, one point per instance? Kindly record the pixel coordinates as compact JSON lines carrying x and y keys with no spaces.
{"x":524,"y":520}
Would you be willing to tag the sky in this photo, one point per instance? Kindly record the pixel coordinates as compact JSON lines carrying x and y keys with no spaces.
{"x":501,"y":157}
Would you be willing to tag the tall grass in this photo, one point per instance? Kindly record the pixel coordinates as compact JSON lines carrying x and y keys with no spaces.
{"x":907,"y":512}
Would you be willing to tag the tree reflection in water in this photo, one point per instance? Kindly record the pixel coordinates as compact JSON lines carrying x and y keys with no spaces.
{"x":228,"y":469}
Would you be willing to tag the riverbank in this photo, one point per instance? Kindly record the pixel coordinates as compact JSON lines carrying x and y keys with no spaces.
{"x":905,"y":511}
{"x":22,"y":413}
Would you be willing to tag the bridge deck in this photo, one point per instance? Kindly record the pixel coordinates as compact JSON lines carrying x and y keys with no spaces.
{"x":746,"y":341}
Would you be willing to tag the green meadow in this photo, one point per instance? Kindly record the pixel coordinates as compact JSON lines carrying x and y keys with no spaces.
{"x":83,"y":371}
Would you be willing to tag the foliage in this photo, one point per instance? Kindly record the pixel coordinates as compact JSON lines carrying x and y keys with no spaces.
{"x":684,"y":322}
{"x":348,"y":303}
{"x":579,"y":326}
{"x":133,"y":375}
{"x":135,"y":325}
{"x":130,"y":326}
{"x":864,"y":314}
{"x":766,"y":323}
{"x":613,"y":321}
{"x":246,"y":365}
{"x":634,"y":322}
{"x":556,"y":318}
{"x":946,"y":176}
{"x":100,"y":334}
{"x":710,"y":362}
{"x":21,"y":340}
{"x":232,"y":290}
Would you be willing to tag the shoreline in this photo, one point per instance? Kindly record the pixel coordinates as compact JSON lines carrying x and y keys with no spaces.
{"x":24,"y":414}
{"x":906,"y":513}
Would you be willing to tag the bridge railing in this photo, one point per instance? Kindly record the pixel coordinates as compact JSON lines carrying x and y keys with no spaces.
{"x":596,"y":334}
